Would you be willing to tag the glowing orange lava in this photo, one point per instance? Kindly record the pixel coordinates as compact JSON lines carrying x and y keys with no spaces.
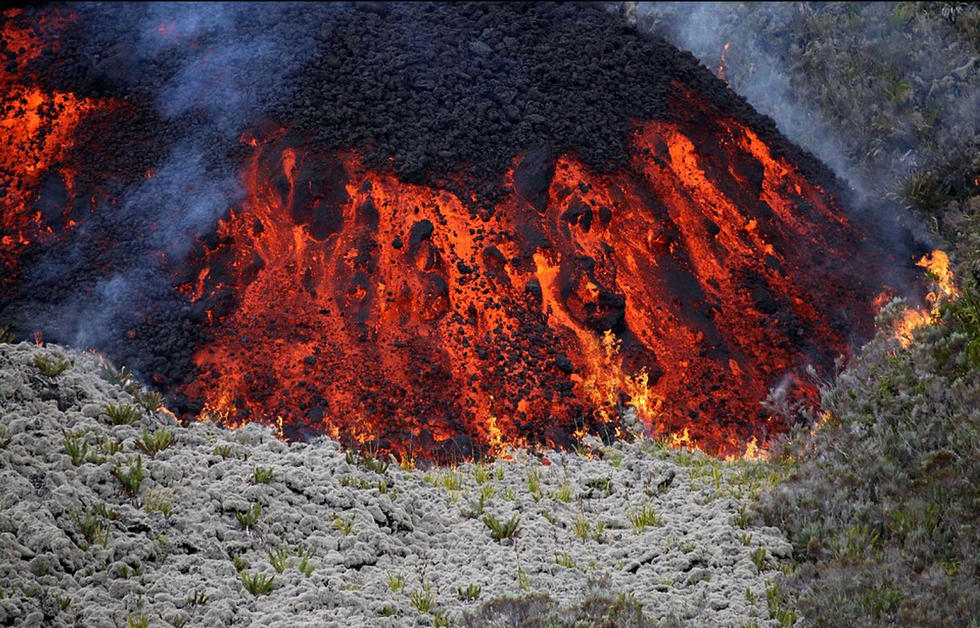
{"x":36,"y":131}
{"x":388,"y":313}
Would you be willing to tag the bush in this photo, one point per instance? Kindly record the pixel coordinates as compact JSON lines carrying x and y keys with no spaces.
{"x":500,"y":530}
{"x":883,"y":505}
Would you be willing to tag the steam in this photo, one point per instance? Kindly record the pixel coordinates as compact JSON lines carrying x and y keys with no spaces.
{"x":900,"y":81}
{"x":225,"y":65}
{"x":705,"y":27}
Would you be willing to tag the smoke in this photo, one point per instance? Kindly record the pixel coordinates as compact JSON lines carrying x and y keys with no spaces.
{"x":212,"y":70}
{"x":874,"y":90}
{"x":761,"y":77}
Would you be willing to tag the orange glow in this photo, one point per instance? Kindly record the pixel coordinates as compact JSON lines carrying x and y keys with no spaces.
{"x":722,"y":65}
{"x":340,"y":300}
{"x":938,"y":269}
{"x":36,"y":131}
{"x":387,"y":313}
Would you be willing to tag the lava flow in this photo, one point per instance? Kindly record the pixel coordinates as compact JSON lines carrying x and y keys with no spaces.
{"x":347,"y":302}
{"x":36,"y":132}
{"x":602,"y":231}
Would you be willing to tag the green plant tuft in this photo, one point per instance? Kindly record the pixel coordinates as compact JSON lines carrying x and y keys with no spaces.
{"x":150,"y":400}
{"x":279,"y":560}
{"x":6,"y":336}
{"x":131,"y":477}
{"x":153,"y":443}
{"x":138,"y":621}
{"x":500,"y":530}
{"x":395,"y":581}
{"x":257,"y":583}
{"x":262,"y":475}
{"x":161,"y":502}
{"x":423,"y":601}
{"x":470,"y":593}
{"x":51,"y":366}
{"x":123,"y":413}
{"x":305,"y":566}
{"x":643,"y":518}
{"x":76,"y":446}
{"x":248,"y":518}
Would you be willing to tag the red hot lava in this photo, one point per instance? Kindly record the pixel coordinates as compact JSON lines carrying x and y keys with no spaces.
{"x":381,"y":312}
{"x":339,"y":299}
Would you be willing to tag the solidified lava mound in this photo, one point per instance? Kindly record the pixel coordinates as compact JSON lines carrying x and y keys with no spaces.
{"x":433,"y":229}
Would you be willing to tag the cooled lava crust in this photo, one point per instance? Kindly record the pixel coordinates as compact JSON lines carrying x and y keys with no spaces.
{"x":437,"y":230}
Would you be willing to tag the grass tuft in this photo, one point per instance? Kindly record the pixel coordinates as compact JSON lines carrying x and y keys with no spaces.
{"x":123,"y":413}
{"x":153,"y":443}
{"x":643,"y":518}
{"x":423,"y":600}
{"x":248,"y":518}
{"x":76,"y":446}
{"x":262,"y":475}
{"x":279,"y":560}
{"x":150,"y":400}
{"x":51,"y":366}
{"x":131,"y":477}
{"x":257,"y":583}
{"x":500,"y":530}
{"x":161,"y":502}
{"x":395,"y":581}
{"x":470,"y":593}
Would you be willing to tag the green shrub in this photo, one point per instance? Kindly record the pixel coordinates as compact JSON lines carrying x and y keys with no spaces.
{"x":6,"y":336}
{"x":500,"y":530}
{"x":150,"y":400}
{"x":880,"y":504}
{"x":123,"y":413}
{"x":131,"y":477}
{"x":155,"y":442}
{"x":257,"y":583}
{"x":4,"y":436}
{"x":51,"y":366}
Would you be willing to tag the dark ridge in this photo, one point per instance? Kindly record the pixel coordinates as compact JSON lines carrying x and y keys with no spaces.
{"x":431,"y":89}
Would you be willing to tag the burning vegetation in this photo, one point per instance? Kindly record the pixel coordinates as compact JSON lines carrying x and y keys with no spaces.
{"x":443,"y":305}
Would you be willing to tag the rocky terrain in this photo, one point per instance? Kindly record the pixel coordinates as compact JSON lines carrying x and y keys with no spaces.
{"x":107,"y":521}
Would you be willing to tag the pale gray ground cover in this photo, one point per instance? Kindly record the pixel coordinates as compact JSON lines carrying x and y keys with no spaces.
{"x":379,"y":543}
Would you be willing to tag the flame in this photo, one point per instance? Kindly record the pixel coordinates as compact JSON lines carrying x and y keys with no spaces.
{"x":938,"y":269}
{"x":722,"y":65}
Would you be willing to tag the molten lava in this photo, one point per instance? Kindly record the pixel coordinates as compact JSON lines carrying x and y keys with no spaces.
{"x":350,"y":303}
{"x":677,"y":279}
{"x":36,"y":132}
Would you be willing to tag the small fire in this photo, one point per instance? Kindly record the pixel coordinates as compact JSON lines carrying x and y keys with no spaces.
{"x":723,"y":65}
{"x":938,"y":269}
